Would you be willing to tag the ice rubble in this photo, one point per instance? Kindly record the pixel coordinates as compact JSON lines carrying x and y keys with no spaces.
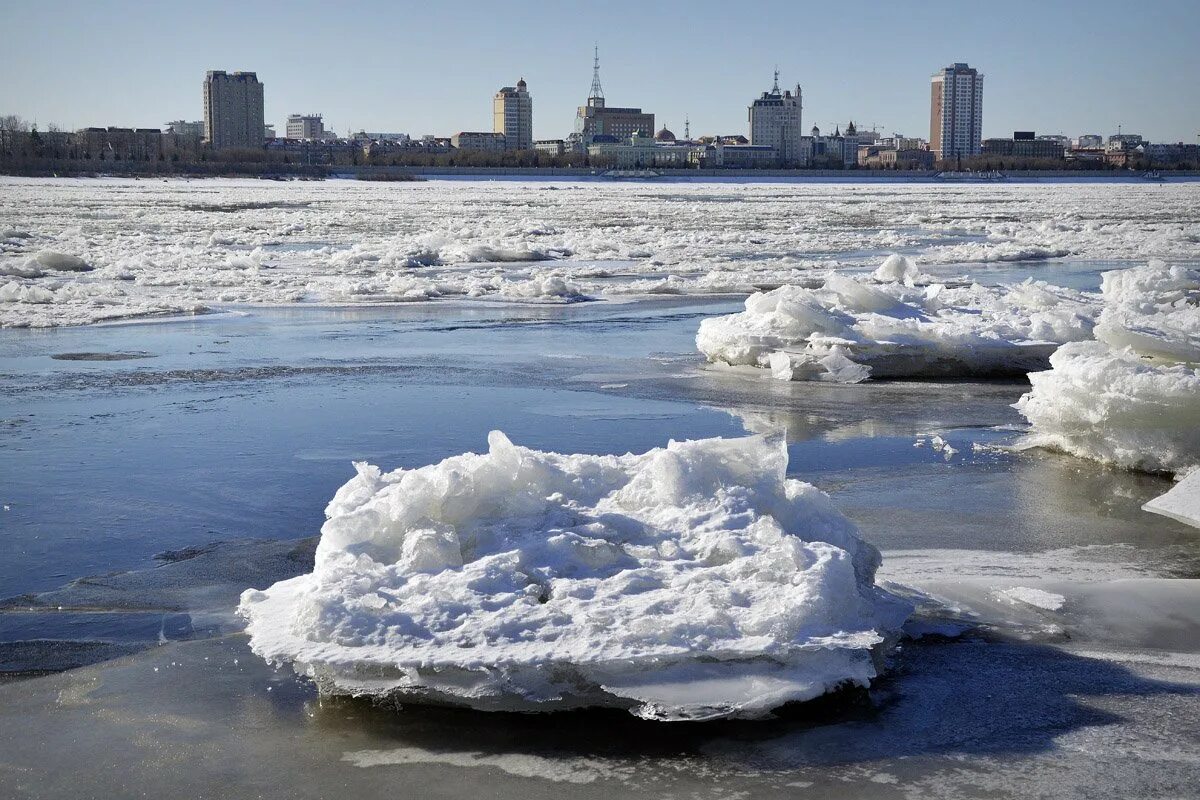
{"x":693,"y":581}
{"x":158,"y":247}
{"x":888,"y":326}
{"x":1132,"y":396}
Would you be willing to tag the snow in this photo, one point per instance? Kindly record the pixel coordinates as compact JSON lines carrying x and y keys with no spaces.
{"x":693,"y":581}
{"x":1132,"y":397}
{"x":1182,"y":502}
{"x":854,"y":328}
{"x":178,"y":246}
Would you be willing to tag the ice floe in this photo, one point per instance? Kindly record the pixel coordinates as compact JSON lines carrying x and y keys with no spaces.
{"x":693,"y":581}
{"x":1131,"y":397}
{"x":885,"y":326}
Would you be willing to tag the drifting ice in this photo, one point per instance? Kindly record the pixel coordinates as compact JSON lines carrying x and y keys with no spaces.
{"x":1131,"y":398}
{"x":694,"y":581}
{"x":888,"y":327}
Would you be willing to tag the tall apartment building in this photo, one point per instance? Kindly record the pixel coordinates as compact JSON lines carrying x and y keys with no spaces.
{"x":775,"y":122}
{"x":305,"y":126}
{"x":598,"y":119}
{"x":512,"y":115}
{"x":956,"y":112}
{"x":233,"y":109}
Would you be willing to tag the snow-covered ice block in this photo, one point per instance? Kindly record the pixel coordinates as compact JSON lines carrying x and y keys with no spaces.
{"x":1182,"y":502}
{"x":693,"y":581}
{"x":1131,"y":398}
{"x":897,"y":330}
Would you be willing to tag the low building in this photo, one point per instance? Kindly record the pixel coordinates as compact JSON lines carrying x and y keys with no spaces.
{"x":268,"y":132}
{"x":744,"y":156}
{"x":880,"y":157}
{"x":120,"y":144}
{"x":486,"y":141}
{"x":640,"y":152}
{"x":310,"y":127}
{"x":1088,"y":141}
{"x":1025,"y":144}
{"x":554,"y":147}
{"x":186,"y":130}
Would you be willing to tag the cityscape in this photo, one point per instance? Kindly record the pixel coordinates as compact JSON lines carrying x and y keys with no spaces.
{"x":604,"y":135}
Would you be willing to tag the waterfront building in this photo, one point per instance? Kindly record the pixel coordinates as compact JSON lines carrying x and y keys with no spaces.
{"x":733,"y":156}
{"x":775,"y":121}
{"x":512,"y":115}
{"x":233,"y":109}
{"x":639,"y":151}
{"x":1089,"y":141}
{"x":268,"y":132}
{"x":956,"y":112}
{"x":1024,"y":144}
{"x":193,"y":131}
{"x":554,"y":147}
{"x":120,"y":144}
{"x":599,"y":119}
{"x":884,"y":157}
{"x":310,"y":127}
{"x":478,"y":140}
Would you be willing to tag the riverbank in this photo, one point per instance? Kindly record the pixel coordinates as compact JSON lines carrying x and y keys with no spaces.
{"x":163,"y":169}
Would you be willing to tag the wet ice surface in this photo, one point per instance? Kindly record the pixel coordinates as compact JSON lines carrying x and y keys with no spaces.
{"x":1078,"y":672}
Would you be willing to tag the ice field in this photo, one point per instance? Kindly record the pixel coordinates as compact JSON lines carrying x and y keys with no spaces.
{"x":935,"y":485}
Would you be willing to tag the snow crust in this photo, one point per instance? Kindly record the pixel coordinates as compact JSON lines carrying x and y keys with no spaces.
{"x":885,"y":326}
{"x":184,"y":246}
{"x":1131,"y":397}
{"x":693,"y":581}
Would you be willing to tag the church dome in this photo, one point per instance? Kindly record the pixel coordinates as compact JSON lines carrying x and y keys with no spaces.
{"x":664,"y":135}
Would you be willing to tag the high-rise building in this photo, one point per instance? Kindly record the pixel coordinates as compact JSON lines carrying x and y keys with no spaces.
{"x":233,"y":109}
{"x":305,"y":126}
{"x":775,"y":122}
{"x":956,"y":112}
{"x":598,"y":119}
{"x":512,"y":115}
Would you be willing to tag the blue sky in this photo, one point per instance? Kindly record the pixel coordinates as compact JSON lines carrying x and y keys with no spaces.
{"x":432,"y":67}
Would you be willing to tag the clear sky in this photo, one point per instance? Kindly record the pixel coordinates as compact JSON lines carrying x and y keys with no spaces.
{"x":432,"y":67}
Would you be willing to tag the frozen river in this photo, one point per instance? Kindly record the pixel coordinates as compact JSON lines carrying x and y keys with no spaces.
{"x":172,"y":463}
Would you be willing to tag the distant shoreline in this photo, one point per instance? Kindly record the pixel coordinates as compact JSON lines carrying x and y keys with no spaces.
{"x":143,"y":169}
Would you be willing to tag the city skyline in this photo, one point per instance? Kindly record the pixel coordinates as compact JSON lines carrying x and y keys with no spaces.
{"x":1086,"y":77}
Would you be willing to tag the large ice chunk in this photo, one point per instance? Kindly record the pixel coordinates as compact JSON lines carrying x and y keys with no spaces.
{"x":894,"y":329}
{"x":1131,"y":398}
{"x":693,"y":581}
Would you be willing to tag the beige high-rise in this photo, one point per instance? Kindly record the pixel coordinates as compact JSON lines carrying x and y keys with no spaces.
{"x":956,"y":112}
{"x":512,"y":115}
{"x":233,"y":109}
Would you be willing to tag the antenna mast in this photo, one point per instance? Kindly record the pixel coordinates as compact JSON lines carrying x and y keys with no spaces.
{"x":596,"y":93}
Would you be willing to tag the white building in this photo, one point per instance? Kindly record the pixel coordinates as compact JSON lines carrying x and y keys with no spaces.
{"x":478,"y":140}
{"x":642,"y":152}
{"x":512,"y":115}
{"x":775,"y":121}
{"x":956,"y":112}
{"x":185,"y":129}
{"x":305,"y":126}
